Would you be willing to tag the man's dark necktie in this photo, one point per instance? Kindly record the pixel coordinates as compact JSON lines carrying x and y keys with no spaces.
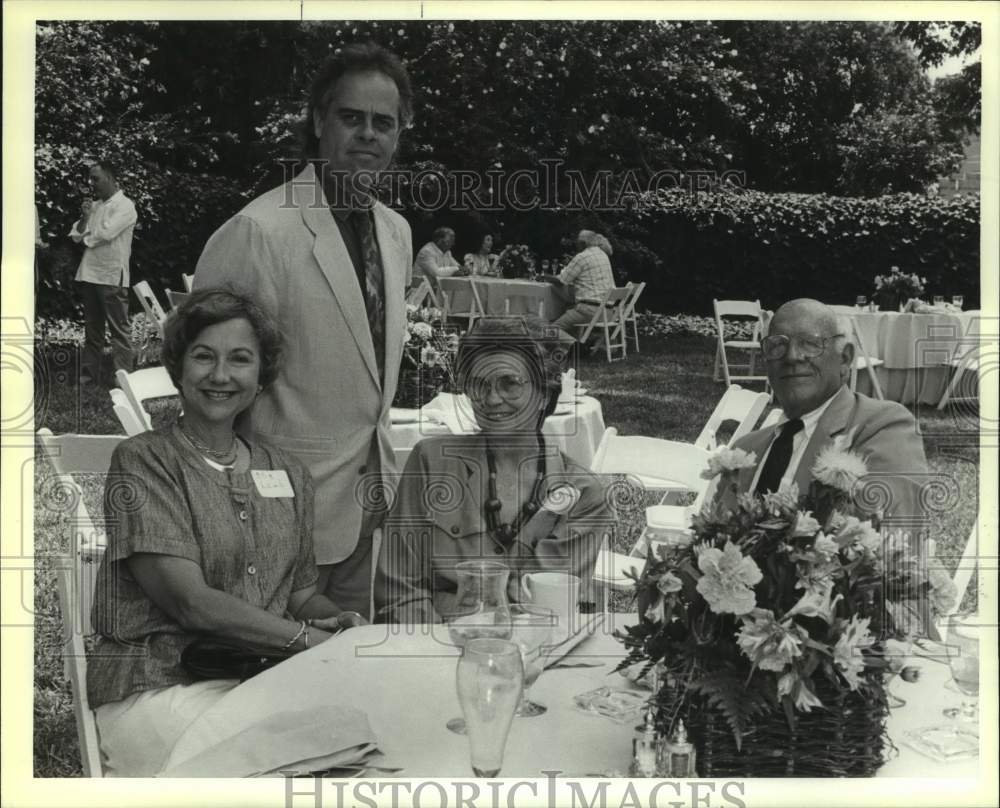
{"x":777,"y":459}
{"x":373,"y":285}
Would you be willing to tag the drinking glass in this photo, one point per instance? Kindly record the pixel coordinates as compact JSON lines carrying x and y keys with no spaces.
{"x":533,"y":627}
{"x":963,"y":659}
{"x":938,"y":300}
{"x":489,"y":679}
{"x":957,"y":300}
{"x":860,"y":302}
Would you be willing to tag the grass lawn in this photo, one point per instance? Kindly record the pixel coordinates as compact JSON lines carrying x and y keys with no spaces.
{"x":666,"y":391}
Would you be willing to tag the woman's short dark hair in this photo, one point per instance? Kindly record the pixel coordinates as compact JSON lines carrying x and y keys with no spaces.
{"x":208,"y":307}
{"x":358,"y":57}
{"x":537,"y":341}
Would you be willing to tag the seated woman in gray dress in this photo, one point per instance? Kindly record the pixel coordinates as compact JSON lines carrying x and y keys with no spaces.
{"x":209,"y":535}
{"x":481,"y":496}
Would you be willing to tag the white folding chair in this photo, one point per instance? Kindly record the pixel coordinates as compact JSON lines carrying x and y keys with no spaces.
{"x":609,"y":318}
{"x":449,"y":287}
{"x":77,"y":573}
{"x":188,"y":282}
{"x":864,"y":361}
{"x":419,"y":294}
{"x":964,"y":383}
{"x":610,"y":572}
{"x":127,"y":416}
{"x":176,"y":298}
{"x":737,"y":404}
{"x":150,"y":305}
{"x":630,"y":315}
{"x":145,"y":384}
{"x":743,"y":309}
{"x":656,"y":463}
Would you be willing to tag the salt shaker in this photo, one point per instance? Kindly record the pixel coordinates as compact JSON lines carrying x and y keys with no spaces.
{"x":644,"y":746}
{"x":677,"y":755}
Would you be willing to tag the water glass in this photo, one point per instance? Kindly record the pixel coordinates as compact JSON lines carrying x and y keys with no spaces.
{"x":860,"y":302}
{"x":532,"y":630}
{"x":957,"y":300}
{"x":938,"y":300}
{"x":963,"y":659}
{"x":490,"y":679}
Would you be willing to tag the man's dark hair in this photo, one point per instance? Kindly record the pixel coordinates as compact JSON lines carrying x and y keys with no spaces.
{"x":440,"y":233}
{"x":358,"y":57}
{"x":108,"y":168}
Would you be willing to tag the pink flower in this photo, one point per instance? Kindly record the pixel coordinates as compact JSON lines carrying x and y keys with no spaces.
{"x":768,"y":644}
{"x":805,"y":525}
{"x":791,"y":684}
{"x":727,"y":579}
{"x":726,"y":461}
{"x":669,"y":583}
{"x":847,"y":652}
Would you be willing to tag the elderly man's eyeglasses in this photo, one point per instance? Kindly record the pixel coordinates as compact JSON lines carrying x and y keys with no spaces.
{"x":809,"y":345}
{"x":509,"y":386}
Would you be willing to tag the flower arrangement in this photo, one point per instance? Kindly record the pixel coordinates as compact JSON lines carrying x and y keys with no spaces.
{"x":428,"y":358}
{"x":516,"y":261}
{"x":897,"y":288}
{"x":780,"y":607}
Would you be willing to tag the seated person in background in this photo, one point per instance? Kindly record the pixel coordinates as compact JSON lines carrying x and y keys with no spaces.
{"x":434,"y":260}
{"x":480,"y":496}
{"x":589,"y":275}
{"x":215,"y":540}
{"x":483,"y":261}
{"x":809,"y":357}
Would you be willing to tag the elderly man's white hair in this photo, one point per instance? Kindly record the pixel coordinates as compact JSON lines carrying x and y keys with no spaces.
{"x":592,"y":239}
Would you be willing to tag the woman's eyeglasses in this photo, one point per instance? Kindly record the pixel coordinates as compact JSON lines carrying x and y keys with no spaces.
{"x":809,"y":345}
{"x":509,"y":386}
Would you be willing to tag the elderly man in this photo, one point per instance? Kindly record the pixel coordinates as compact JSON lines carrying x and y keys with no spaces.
{"x":434,"y":260}
{"x":809,"y":355}
{"x":589,"y":275}
{"x":105,"y":229}
{"x":332,"y":265}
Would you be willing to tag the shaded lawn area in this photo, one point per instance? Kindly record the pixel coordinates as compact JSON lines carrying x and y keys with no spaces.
{"x":666,"y":391}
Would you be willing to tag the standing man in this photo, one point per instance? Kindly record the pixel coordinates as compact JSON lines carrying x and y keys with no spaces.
{"x":434,"y":260}
{"x":105,"y":228}
{"x":589,"y":275}
{"x":332,"y":266}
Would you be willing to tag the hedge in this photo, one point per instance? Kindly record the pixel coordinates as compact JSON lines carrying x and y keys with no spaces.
{"x":749,"y":245}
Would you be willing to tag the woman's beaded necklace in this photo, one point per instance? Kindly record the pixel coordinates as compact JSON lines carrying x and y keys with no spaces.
{"x":224,"y":457}
{"x":506,"y":532}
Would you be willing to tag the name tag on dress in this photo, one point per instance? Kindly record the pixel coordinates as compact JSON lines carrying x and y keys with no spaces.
{"x":272,"y":483}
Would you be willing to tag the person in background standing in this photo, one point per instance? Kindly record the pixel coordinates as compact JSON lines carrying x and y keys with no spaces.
{"x":105,"y":229}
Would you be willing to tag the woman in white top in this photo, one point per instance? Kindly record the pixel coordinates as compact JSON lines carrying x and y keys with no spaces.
{"x":483,"y":261}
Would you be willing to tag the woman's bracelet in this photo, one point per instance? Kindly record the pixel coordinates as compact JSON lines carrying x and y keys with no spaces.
{"x":303,"y":630}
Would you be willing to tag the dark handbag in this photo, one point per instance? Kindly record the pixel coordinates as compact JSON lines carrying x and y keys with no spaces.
{"x":224,"y":659}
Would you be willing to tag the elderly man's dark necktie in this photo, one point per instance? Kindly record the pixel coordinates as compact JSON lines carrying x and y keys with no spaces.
{"x":777,"y":459}
{"x":373,"y":285}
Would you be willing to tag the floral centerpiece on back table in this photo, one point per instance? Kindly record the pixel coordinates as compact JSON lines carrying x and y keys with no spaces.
{"x":897,"y":288}
{"x":775,"y":625}
{"x":428,"y":358}
{"x":516,"y":261}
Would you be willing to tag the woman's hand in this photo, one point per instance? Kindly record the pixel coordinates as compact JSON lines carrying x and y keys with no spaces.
{"x":339,"y":622}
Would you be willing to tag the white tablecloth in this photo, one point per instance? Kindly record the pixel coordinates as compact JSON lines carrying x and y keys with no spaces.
{"x":576,"y":427}
{"x":524,"y":296}
{"x":916,"y":349}
{"x":404,"y":679}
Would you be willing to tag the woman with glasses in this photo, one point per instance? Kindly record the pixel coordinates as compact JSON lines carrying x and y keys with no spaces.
{"x":505,"y":493}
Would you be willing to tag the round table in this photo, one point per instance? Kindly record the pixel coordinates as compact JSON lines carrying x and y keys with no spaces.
{"x":403,"y":678}
{"x":916,"y":349}
{"x":576,"y":426}
{"x":524,"y":296}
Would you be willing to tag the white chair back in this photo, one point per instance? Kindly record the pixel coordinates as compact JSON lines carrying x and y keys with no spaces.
{"x":449,"y":287}
{"x":609,"y":318}
{"x":176,"y":298}
{"x":188,"y":282}
{"x":743,"y":309}
{"x":150,"y":305}
{"x":863,"y":360}
{"x":630,"y":315}
{"x":773,"y":418}
{"x":77,"y":573}
{"x":737,"y":404}
{"x":143,"y":385}
{"x":419,"y":294}
{"x":127,"y":416}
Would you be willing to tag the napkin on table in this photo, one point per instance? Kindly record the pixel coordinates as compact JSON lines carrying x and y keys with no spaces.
{"x":302,"y":740}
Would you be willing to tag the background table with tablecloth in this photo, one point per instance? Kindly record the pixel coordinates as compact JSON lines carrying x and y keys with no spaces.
{"x":576,"y":426}
{"x":916,"y":349}
{"x":524,"y":296}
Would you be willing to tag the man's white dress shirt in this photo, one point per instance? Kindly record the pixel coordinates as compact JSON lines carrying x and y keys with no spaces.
{"x":107,"y":235}
{"x":799,"y":443}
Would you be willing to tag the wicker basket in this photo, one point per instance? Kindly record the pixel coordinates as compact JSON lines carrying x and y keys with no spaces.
{"x":847,"y":739}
